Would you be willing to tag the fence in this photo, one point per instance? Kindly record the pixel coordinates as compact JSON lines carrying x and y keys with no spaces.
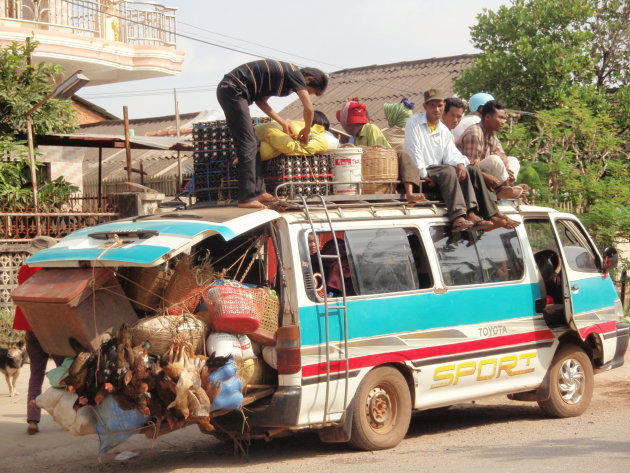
{"x":167,"y":185}
{"x":143,"y":23}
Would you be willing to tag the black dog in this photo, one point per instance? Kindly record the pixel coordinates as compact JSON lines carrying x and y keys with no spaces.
{"x":11,"y":361}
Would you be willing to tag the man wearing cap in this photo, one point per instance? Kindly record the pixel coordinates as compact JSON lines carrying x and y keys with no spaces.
{"x":430,"y":144}
{"x":354,"y":119}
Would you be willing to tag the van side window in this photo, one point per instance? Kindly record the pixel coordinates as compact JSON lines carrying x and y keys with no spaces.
{"x":382,"y":260}
{"x":577,"y":249}
{"x":478,"y":257}
{"x":374,"y":261}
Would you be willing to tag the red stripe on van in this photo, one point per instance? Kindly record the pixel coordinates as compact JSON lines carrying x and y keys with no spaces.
{"x":599,"y":328}
{"x":428,"y":352}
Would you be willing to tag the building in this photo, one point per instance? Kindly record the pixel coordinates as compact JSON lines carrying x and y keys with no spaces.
{"x":387,"y":83}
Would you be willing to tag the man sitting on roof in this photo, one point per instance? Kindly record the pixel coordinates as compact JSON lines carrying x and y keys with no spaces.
{"x":475,"y":104}
{"x":430,"y":144}
{"x":481,"y":146}
{"x":354,"y":119}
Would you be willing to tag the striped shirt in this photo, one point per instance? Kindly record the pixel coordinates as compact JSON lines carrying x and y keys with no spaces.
{"x":477,"y":144}
{"x":266,"y":78}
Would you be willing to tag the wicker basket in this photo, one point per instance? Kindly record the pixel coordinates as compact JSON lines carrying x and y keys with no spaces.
{"x":162,"y":330}
{"x":271,"y":310}
{"x":145,"y":287}
{"x":183,"y":292}
{"x":378,"y":164}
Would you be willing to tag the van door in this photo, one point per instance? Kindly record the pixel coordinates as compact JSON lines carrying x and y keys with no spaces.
{"x":587,"y":291}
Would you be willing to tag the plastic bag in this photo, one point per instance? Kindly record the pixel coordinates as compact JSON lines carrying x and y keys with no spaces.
{"x":115,"y":425}
{"x":230,"y":397}
{"x":55,"y":375}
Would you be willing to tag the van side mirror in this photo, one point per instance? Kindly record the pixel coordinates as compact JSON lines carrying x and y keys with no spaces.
{"x":611,"y":259}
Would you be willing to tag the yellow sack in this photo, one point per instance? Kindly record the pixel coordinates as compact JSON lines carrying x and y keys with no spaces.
{"x":274,"y":141}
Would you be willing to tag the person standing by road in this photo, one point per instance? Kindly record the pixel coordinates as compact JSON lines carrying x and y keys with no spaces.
{"x":254,"y":83}
{"x":37,"y":356}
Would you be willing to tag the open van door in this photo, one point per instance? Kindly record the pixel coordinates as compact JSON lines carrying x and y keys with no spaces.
{"x":588,"y":291}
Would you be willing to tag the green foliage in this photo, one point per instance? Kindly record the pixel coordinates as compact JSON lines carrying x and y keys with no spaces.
{"x":7,"y":334}
{"x":537,"y":54}
{"x":22,"y":86}
{"x":56,"y":193}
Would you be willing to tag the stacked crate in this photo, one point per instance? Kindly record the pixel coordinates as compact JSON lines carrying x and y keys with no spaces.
{"x":316,"y":170}
{"x":216,"y":170}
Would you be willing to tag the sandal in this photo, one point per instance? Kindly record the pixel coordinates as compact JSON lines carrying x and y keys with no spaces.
{"x":266,"y":197}
{"x":503,"y":221}
{"x":32,"y":428}
{"x":505,"y":193}
{"x":461,"y":224}
{"x":413,"y":198}
{"x":482,"y":225}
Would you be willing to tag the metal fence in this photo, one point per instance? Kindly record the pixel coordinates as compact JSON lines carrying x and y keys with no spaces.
{"x":129,"y":22}
{"x":167,"y":185}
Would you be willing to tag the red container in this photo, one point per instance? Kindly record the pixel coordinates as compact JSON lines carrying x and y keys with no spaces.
{"x":234,"y":309}
{"x":88,"y":305}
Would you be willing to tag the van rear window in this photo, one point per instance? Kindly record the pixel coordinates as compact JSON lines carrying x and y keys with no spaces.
{"x":478,"y":257}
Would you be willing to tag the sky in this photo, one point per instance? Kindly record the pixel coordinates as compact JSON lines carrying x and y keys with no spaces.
{"x":328,"y":34}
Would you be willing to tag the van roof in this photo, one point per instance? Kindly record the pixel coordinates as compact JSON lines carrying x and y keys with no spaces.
{"x":153,"y":239}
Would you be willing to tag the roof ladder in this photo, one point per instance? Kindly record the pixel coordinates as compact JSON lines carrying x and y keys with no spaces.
{"x":328,"y":307}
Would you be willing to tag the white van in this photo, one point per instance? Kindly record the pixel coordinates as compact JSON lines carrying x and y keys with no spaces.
{"x":385,"y":311}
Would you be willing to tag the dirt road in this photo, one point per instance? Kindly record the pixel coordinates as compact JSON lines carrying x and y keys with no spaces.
{"x":489,"y":435}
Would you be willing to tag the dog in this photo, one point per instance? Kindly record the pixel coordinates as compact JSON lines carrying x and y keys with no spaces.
{"x":11,"y":361}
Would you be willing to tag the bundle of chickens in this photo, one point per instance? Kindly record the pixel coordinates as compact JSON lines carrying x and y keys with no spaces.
{"x":177,"y":387}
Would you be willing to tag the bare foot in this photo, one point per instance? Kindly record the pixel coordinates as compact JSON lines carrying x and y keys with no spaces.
{"x":503,"y":221}
{"x":254,"y":204}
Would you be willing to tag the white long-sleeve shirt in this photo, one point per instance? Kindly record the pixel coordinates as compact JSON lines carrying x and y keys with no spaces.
{"x":428,"y":148}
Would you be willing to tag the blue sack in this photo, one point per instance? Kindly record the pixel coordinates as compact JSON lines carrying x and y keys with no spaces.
{"x":225,"y":372}
{"x":230,"y":397}
{"x":115,"y":425}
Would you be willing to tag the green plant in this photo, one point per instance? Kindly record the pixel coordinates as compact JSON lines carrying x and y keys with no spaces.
{"x":7,"y":334}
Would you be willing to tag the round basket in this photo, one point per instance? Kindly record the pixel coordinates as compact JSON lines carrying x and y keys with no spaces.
{"x":162,"y":330}
{"x":378,"y":164}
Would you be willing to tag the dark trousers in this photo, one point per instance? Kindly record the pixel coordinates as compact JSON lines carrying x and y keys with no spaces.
{"x":459,"y":196}
{"x":486,"y":199}
{"x":38,"y":360}
{"x":239,"y":121}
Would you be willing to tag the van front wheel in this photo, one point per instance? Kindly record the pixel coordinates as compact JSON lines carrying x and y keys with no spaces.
{"x":381,"y":410}
{"x":571,"y":378}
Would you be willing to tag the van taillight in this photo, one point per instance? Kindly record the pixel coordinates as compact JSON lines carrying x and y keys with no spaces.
{"x":288,"y":349}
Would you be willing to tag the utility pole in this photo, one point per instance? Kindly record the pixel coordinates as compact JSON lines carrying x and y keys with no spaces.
{"x":179,"y":158}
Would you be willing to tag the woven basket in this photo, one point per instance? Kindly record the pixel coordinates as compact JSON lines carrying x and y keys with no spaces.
{"x":234,"y":309}
{"x":162,"y":330}
{"x":271,"y":310}
{"x":145,"y":287}
{"x":378,"y":164}
{"x":184,"y":289}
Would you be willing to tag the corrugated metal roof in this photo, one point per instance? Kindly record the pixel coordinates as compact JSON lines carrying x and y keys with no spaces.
{"x":388,"y":83}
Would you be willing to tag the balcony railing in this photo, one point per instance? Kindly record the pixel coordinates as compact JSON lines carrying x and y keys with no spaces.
{"x":142,"y":23}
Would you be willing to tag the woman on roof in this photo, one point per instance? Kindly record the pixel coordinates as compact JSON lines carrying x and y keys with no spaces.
{"x":354,"y":119}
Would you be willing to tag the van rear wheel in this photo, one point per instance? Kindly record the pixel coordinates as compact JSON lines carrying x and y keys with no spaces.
{"x":571,"y":378}
{"x":381,"y":410}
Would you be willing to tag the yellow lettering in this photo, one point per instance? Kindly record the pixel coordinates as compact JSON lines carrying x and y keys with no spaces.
{"x":465,"y":369}
{"x":507,"y":364}
{"x":488,"y":362}
{"x":443,"y":374}
{"x":527,"y":357}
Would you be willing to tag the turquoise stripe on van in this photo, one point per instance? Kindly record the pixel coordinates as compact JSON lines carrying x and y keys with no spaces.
{"x":595,"y":293}
{"x":180,"y":227}
{"x":136,"y":254}
{"x":388,"y":315}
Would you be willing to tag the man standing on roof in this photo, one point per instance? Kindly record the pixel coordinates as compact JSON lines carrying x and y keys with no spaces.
{"x":255,"y":82}
{"x":441,"y":165}
{"x":481,"y":146}
{"x":475,"y":104}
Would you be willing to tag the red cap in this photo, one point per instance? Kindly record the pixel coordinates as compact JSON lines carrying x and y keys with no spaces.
{"x":357,"y":113}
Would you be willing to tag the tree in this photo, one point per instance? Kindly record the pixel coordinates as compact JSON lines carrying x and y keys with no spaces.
{"x":22,"y":86}
{"x":536,"y":54}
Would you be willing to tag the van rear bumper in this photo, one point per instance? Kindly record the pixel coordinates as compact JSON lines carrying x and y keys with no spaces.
{"x":282,"y":410}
